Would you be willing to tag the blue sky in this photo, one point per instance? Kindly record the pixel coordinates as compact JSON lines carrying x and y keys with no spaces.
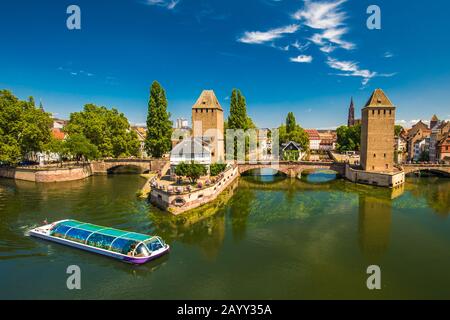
{"x":308,"y":57}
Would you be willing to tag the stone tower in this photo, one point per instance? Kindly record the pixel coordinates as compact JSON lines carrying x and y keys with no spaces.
{"x":351,"y":114}
{"x":377,"y":133}
{"x":207,"y":123}
{"x":434,"y":121}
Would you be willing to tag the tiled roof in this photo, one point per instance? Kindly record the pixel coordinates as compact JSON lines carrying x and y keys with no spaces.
{"x":378,"y":99}
{"x":207,"y":100}
{"x":313,"y":134}
{"x":295,"y":144}
{"x":58,"y":134}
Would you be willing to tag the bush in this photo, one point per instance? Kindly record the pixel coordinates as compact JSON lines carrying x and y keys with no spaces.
{"x":191,"y":170}
{"x":217,"y":168}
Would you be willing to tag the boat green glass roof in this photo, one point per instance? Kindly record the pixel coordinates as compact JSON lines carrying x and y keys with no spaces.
{"x":92,"y":228}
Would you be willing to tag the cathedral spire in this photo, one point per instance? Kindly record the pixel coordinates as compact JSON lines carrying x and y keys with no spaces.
{"x":351,"y":114}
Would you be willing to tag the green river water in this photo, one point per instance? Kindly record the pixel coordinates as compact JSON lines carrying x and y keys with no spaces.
{"x":265,"y":238}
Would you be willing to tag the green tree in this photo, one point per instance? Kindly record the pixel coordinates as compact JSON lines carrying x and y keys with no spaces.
{"x":290,"y":123}
{"x":107,"y":129}
{"x":238,"y":119}
{"x":193,"y":171}
{"x":81,"y":148}
{"x":159,"y":126}
{"x":57,"y":147}
{"x":291,"y":131}
{"x":217,"y":168}
{"x":23,"y":128}
{"x":397,"y":130}
{"x":348,"y":138}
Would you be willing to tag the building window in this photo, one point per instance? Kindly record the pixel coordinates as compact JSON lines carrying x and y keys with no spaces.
{"x":379,"y":111}
{"x":390,"y":111}
{"x":384,"y":111}
{"x":374,"y":155}
{"x":373,"y":167}
{"x":373,"y":111}
{"x":385,"y":155}
{"x":387,"y":166}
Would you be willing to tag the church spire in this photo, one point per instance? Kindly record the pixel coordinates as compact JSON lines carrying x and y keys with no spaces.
{"x":351,"y":114}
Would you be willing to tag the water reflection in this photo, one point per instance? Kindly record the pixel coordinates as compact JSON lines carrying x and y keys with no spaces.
{"x":221,"y":250}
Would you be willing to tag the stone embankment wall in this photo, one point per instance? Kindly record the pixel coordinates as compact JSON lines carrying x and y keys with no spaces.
{"x":77,"y":172}
{"x":390,"y":180}
{"x":179,"y":202}
{"x":47,"y":175}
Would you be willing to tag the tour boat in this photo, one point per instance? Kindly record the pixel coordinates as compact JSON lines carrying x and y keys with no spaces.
{"x":131,"y":247}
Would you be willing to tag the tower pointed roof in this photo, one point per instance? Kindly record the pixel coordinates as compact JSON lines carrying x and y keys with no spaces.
{"x":378,"y":99}
{"x":352,"y":105}
{"x":434,"y":118}
{"x":207,"y":100}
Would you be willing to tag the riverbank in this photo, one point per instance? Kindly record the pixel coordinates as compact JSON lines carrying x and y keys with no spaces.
{"x":73,"y":172}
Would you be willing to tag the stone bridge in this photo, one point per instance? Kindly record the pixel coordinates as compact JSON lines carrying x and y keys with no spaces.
{"x":442,"y":169}
{"x":294,"y":169}
{"x":144,"y":165}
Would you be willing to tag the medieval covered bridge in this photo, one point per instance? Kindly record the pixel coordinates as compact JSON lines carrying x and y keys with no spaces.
{"x":438,"y":169}
{"x":294,"y":169}
{"x":143,"y":165}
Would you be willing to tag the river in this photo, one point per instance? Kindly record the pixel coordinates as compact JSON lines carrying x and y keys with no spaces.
{"x":267,"y":237}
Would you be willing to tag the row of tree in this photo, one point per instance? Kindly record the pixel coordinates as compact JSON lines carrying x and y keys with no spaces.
{"x":349,"y":138}
{"x":92,"y":133}
{"x":24,"y":128}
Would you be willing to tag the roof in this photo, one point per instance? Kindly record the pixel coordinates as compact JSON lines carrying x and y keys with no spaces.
{"x":295,"y":144}
{"x":58,"y":134}
{"x":378,"y":99}
{"x":141,"y":132}
{"x":190,"y":146}
{"x":92,"y":228}
{"x":207,"y":100}
{"x":313,"y":134}
{"x":434,"y":118}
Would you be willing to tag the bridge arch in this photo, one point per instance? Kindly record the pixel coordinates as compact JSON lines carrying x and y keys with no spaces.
{"x":434,"y":171}
{"x":126,"y":168}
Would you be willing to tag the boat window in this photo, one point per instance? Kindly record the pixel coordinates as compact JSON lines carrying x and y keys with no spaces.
{"x":154,"y":244}
{"x":123,"y":246}
{"x":78,"y":235}
{"x":100,"y":241}
{"x":59,"y":231}
{"x":142,"y":251}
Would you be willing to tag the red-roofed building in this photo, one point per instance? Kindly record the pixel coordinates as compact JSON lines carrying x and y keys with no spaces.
{"x":58,"y":134}
{"x":314,"y":139}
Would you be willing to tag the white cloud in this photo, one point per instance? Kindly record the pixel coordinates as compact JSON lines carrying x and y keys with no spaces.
{"x":168,"y":4}
{"x":302,"y":59}
{"x":388,"y":54}
{"x":329,"y":17}
{"x":352,"y":69}
{"x":259,"y":37}
{"x":321,"y":15}
{"x":301,"y":47}
{"x":282,"y":48}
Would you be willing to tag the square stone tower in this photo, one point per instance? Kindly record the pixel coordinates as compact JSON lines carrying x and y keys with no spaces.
{"x":207,"y":123}
{"x":377,"y":133}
